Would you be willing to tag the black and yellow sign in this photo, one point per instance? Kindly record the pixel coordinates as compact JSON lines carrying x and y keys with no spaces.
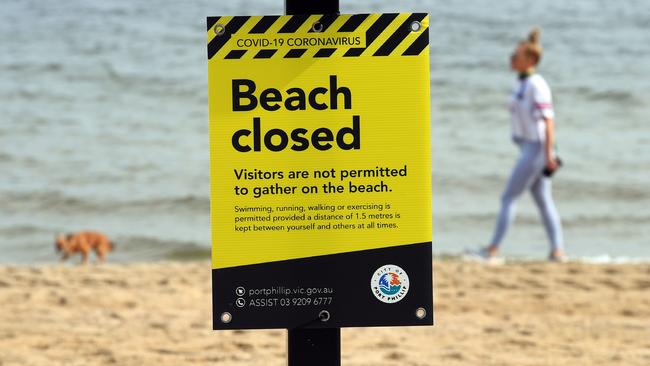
{"x":320,"y":170}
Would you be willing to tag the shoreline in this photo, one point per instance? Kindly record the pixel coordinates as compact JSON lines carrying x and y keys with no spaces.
{"x":204,"y":255}
{"x":527,"y":313}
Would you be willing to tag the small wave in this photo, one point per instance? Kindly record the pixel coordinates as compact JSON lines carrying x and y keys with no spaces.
{"x":57,"y":201}
{"x":595,"y":259}
{"x":44,"y":201}
{"x":24,"y":161}
{"x":189,"y":254}
{"x":130,"y":78}
{"x":33,"y":68}
{"x":605,"y":220}
{"x":608,"y":259}
{"x":137,"y":248}
{"x":618,"y":192}
{"x":24,"y":230}
{"x":190,"y":202}
{"x":153,"y":242}
{"x":612,"y":96}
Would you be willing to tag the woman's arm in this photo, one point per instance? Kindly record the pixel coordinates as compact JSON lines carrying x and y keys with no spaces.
{"x":550,"y":140}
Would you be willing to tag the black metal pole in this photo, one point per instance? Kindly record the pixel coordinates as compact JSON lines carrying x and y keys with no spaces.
{"x":313,"y":347}
{"x":293,"y":7}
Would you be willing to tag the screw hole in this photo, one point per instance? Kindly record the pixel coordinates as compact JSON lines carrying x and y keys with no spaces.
{"x":416,"y":26}
{"x":324,"y":315}
{"x":226,"y":317}
{"x":317,"y":27}
{"x":420,"y":313}
{"x":219,"y":29}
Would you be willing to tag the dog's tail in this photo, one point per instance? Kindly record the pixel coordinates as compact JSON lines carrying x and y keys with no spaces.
{"x":112,"y":245}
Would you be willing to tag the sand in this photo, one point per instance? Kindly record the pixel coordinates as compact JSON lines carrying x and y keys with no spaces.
{"x":159,"y":314}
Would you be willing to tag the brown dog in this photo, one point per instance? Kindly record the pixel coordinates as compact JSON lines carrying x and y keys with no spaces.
{"x":84,"y":242}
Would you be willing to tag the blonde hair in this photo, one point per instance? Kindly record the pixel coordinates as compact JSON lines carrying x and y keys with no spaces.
{"x":532,"y":45}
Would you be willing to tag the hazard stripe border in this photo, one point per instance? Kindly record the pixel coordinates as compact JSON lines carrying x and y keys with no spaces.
{"x":292,"y":23}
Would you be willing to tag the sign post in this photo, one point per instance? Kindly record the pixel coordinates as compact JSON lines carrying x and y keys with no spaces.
{"x":317,"y":347}
{"x":320,"y":174}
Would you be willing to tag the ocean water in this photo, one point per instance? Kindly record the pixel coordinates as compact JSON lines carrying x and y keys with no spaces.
{"x":103,"y":123}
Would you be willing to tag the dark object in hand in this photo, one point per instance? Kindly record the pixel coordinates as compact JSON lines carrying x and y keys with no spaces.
{"x":548,"y":172}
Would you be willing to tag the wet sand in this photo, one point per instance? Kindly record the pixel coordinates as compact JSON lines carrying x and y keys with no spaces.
{"x":159,"y":314}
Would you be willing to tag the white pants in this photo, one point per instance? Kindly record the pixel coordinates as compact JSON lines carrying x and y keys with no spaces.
{"x":527,"y":174}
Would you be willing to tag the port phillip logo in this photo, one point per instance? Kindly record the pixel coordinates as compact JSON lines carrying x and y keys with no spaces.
{"x":389,"y":283}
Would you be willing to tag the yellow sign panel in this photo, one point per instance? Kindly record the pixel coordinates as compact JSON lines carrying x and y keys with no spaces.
{"x":319,"y":135}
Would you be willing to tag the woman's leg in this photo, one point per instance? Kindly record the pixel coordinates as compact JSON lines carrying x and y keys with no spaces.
{"x":523,"y":175}
{"x":541,"y":191}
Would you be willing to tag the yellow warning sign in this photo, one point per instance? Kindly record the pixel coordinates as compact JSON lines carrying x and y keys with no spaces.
{"x":319,"y":135}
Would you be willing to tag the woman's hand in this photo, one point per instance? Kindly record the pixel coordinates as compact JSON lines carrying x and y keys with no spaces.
{"x":551,"y":163}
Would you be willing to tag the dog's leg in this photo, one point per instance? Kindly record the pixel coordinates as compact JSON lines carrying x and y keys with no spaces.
{"x":84,"y":257}
{"x":100,"y":255}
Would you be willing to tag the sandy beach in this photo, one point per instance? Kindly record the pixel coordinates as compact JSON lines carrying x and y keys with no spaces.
{"x":159,"y":314}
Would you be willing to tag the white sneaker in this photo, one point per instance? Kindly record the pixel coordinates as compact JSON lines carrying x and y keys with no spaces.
{"x":481,"y":255}
{"x":558,"y":259}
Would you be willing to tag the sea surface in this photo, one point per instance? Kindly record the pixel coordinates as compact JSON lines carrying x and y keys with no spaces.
{"x":104,"y":125}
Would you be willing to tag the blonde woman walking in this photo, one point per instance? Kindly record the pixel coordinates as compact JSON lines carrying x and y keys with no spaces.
{"x":533,"y":123}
